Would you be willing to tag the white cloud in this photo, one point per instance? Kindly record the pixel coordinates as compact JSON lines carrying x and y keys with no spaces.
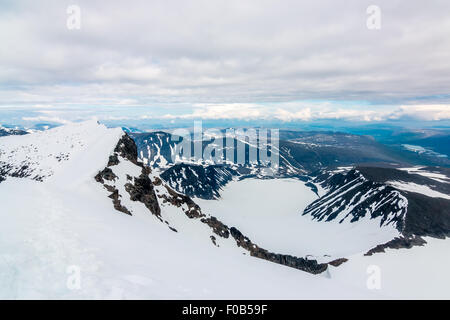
{"x":128,"y":70}
{"x":223,"y":111}
{"x":422,"y":112}
{"x":225,"y":58}
{"x":46,"y":119}
{"x":309,"y":112}
{"x":284,"y":115}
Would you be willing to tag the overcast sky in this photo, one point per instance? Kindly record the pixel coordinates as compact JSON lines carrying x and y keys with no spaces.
{"x":285,"y":60}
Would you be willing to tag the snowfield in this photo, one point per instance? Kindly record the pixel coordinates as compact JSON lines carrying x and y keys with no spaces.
{"x":67,"y":222}
{"x":270,"y":211}
{"x":416,"y":273}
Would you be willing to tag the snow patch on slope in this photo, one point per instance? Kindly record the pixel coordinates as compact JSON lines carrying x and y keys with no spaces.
{"x":417,"y":188}
{"x":439,"y":177}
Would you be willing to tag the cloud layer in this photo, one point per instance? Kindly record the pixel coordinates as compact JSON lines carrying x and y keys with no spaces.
{"x":230,"y":59}
{"x":299,"y":112}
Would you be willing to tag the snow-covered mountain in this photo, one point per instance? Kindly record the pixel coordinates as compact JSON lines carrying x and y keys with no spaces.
{"x":416,"y":201}
{"x":79,"y":196}
{"x":11,"y":131}
{"x":348,"y":195}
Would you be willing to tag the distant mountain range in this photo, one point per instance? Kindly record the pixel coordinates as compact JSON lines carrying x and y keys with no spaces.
{"x":357,"y":176}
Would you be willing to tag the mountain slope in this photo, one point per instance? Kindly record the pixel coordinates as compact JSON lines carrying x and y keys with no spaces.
{"x":200,"y":181}
{"x":350,"y":196}
{"x":415,"y":201}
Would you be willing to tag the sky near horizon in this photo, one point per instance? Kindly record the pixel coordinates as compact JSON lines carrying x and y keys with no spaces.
{"x":228,"y":60}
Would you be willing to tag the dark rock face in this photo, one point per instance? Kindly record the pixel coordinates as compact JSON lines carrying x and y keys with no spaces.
{"x":338,"y":262}
{"x":178,"y":199}
{"x":427,"y":216}
{"x":127,"y":149}
{"x":105,"y":174}
{"x":199,"y":181}
{"x":382,"y":175}
{"x":113,"y":160}
{"x":142,"y":190}
{"x":351,"y":192}
{"x":116,"y":202}
{"x":218,"y":227}
{"x":398,"y":243}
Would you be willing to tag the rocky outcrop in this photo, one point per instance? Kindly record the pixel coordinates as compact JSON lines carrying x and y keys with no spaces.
{"x":105,"y":174}
{"x":113,"y":160}
{"x":427,"y":216}
{"x":337,"y":262}
{"x":398,"y":243}
{"x":311,"y":266}
{"x":217,"y":227}
{"x":126,"y":148}
{"x":142,"y":190}
{"x":116,"y":202}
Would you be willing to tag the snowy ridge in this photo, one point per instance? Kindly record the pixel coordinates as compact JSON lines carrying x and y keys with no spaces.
{"x":349,"y":196}
{"x":11,"y":131}
{"x":40,"y":155}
